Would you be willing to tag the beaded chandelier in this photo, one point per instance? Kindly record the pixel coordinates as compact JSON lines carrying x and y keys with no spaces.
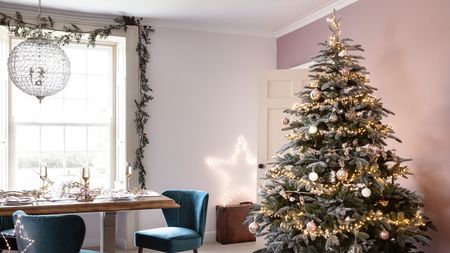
{"x":39,"y":67}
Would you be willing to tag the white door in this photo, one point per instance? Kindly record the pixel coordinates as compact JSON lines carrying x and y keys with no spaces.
{"x":275,"y":94}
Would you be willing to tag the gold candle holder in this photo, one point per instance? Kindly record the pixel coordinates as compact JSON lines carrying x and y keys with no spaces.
{"x":85,"y":175}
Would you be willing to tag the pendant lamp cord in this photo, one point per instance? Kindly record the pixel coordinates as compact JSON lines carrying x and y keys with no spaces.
{"x":39,"y":20}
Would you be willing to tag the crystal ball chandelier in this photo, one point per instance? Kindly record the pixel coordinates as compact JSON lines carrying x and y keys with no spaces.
{"x":39,"y":67}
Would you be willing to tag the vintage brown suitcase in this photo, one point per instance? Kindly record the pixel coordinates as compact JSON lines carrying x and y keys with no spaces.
{"x":230,"y":223}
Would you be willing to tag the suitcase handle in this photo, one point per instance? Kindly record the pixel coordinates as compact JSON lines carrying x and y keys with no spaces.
{"x":245,"y":202}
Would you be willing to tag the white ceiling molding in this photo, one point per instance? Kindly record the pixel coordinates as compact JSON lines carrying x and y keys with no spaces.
{"x":89,"y":19}
{"x":30,"y":13}
{"x":318,"y":14}
{"x":214,"y":29}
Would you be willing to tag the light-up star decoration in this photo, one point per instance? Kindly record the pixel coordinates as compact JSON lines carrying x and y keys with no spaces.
{"x":238,"y":173}
{"x":19,"y":227}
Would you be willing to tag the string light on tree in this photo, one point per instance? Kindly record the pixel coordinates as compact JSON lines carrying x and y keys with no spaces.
{"x":338,"y":134}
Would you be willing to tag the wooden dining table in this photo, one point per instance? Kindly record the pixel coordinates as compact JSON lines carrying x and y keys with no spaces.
{"x":108,"y":209}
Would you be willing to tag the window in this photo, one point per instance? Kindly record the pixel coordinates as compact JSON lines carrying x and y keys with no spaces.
{"x":70,"y":130}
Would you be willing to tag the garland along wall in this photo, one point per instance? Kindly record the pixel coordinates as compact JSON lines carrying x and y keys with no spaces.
{"x":126,"y":223}
{"x":407,"y":55}
{"x":205,"y":87}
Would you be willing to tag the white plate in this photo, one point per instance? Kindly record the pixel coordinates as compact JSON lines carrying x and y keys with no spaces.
{"x":120,"y":198}
{"x":23,"y":201}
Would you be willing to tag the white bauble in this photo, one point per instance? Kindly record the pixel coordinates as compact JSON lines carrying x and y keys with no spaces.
{"x":313,"y":129}
{"x":366,"y":192}
{"x":313,"y":176}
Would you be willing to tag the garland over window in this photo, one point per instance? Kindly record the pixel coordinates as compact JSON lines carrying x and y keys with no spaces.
{"x":20,"y":28}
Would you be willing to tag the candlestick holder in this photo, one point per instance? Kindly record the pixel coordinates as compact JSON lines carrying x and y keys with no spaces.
{"x":85,"y":196}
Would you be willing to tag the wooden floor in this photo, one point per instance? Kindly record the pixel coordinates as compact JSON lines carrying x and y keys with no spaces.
{"x":212,"y":248}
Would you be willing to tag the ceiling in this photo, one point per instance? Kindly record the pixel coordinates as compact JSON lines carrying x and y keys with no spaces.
{"x":270,"y":17}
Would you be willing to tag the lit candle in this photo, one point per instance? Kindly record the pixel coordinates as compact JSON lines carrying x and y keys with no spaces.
{"x":85,"y":173}
{"x":43,"y":171}
{"x":129,"y":171}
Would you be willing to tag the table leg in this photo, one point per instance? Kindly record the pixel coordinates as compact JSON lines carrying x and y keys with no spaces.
{"x":108,"y":232}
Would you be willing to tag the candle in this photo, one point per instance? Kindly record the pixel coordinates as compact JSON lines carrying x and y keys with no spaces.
{"x":86,"y":173}
{"x":43,"y":171}
{"x":129,"y":171}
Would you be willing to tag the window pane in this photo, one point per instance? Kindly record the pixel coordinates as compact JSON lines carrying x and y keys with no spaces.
{"x":99,"y":61}
{"x":76,"y":88}
{"x":99,"y":165}
{"x":76,"y":138}
{"x":52,"y":109}
{"x":27,"y":138}
{"x":54,"y":160}
{"x":76,"y":160}
{"x":98,"y":138}
{"x":75,"y":111}
{"x":98,"y":113}
{"x":52,"y":138}
{"x":26,"y":107}
{"x":71,"y":129}
{"x":77,"y":56}
{"x":27,"y":179}
{"x":27,"y":160}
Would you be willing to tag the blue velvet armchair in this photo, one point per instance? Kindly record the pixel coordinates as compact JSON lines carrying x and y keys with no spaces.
{"x":185,"y":225}
{"x":49,"y":233}
{"x":7,"y":238}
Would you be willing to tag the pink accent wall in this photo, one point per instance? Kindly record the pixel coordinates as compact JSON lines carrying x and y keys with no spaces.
{"x":407,"y":45}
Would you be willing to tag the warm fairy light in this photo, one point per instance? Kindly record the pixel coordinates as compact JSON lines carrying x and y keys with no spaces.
{"x":296,"y":220}
{"x":233,"y":189}
{"x":19,"y":227}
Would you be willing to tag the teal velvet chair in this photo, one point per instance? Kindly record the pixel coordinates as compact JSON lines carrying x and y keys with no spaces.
{"x":7,"y":238}
{"x":50,"y":233}
{"x":185,"y":225}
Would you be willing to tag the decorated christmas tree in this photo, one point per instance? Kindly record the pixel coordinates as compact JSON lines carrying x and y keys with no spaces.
{"x":332,"y":187}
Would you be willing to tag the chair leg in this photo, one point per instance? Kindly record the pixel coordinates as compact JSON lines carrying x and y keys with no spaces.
{"x":195,"y":251}
{"x":140,"y":250}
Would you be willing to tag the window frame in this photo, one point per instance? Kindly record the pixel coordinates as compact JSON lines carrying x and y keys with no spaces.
{"x":116,"y":138}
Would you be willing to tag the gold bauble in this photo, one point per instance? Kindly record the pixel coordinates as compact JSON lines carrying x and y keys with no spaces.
{"x":341,"y":174}
{"x":315,"y":94}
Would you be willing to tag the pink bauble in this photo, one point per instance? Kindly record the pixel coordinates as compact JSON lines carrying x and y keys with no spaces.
{"x":311,"y":226}
{"x":384,"y":235}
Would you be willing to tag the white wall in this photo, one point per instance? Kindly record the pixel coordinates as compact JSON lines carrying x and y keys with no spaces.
{"x":205,"y":88}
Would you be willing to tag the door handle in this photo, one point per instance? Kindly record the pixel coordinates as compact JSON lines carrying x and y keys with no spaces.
{"x":261,"y":166}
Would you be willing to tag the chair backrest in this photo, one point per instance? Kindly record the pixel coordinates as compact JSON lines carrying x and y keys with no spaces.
{"x":192,"y":211}
{"x":49,"y":233}
{"x":6,"y":222}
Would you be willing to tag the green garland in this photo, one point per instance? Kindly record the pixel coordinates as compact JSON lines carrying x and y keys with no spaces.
{"x":20,"y":28}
